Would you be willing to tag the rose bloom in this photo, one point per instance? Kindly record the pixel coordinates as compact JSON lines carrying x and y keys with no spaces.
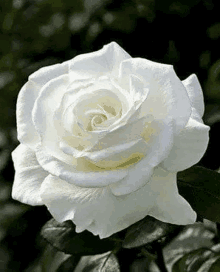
{"x":102,"y":137}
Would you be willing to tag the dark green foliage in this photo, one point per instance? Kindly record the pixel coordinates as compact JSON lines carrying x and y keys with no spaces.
{"x":201,"y":259}
{"x":201,"y":188}
{"x":147,"y":231}
{"x":106,"y":262}
{"x":63,"y":237}
{"x":69,"y":265}
{"x":215,"y":266}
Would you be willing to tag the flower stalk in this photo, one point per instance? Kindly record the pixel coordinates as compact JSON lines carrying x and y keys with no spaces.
{"x":160,"y":259}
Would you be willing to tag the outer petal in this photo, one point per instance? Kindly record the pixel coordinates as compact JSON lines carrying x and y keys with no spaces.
{"x":43,"y":115}
{"x":103,"y":214}
{"x":27,"y":97}
{"x":195,"y":93}
{"x":98,"y":211}
{"x":191,"y":143}
{"x":28,"y":176}
{"x":167,"y":97}
{"x":137,"y":89}
{"x":98,"y":63}
{"x":189,"y":147}
{"x":169,"y":206}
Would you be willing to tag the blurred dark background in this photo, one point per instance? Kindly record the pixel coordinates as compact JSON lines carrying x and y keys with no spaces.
{"x":36,"y":33}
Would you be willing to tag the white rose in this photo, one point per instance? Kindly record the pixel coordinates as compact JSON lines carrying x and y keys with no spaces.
{"x":103,"y":136}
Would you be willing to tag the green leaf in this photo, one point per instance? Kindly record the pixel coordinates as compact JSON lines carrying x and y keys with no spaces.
{"x":198,"y":261}
{"x":63,"y":237}
{"x":147,"y":231}
{"x":50,"y":260}
{"x":69,"y":265}
{"x":143,"y":265}
{"x":215,"y":266}
{"x":183,"y":264}
{"x":207,"y":264}
{"x":192,"y":237}
{"x":201,"y":188}
{"x":106,"y":262}
{"x":201,"y":259}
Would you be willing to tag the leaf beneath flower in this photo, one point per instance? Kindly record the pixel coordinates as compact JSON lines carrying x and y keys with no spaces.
{"x":201,"y":259}
{"x":201,"y":188}
{"x":147,"y":231}
{"x":63,"y":237}
{"x":192,"y":259}
{"x":69,"y":265}
{"x":106,"y":262}
{"x":215,"y":266}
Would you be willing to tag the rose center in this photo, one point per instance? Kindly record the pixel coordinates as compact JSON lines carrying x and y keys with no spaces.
{"x":97,"y":120}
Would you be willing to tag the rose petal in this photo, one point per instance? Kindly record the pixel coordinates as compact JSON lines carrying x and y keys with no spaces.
{"x":26,"y":132}
{"x":87,"y":139}
{"x":104,"y":95}
{"x":195,"y":93}
{"x":167,"y":97}
{"x":98,"y":63}
{"x":97,"y":210}
{"x":70,"y":111}
{"x":68,"y":98}
{"x":169,"y":206}
{"x":121,"y":134}
{"x":43,"y":115}
{"x":90,"y":99}
{"x":28,"y":176}
{"x":115,"y":156}
{"x":70,"y":134}
{"x":158,"y":148}
{"x":189,"y":147}
{"x":72,"y":144}
{"x":88,"y":177}
{"x":138,"y":176}
{"x":159,"y":136}
{"x":45,"y":74}
{"x":80,"y":140}
{"x":64,"y":209}
{"x":196,"y":116}
{"x":27,"y":97}
{"x":196,"y":97}
{"x":138,"y":89}
{"x":103,"y":214}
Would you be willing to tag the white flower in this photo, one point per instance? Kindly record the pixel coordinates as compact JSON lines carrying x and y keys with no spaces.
{"x":103,"y":136}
